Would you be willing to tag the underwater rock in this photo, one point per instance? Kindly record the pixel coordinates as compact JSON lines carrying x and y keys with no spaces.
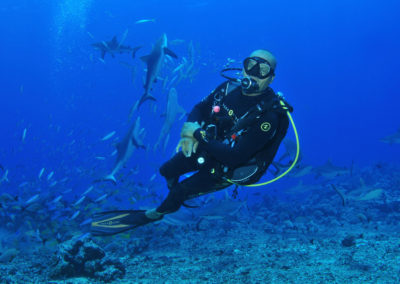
{"x":349,"y":241}
{"x":76,"y":258}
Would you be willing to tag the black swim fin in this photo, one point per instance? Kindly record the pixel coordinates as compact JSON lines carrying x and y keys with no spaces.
{"x":114,"y":222}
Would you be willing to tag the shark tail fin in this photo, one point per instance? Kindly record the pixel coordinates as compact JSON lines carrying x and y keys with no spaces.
{"x":146,"y":97}
{"x":170,"y":52}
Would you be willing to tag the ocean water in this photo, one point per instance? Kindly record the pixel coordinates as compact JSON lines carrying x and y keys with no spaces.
{"x":337,"y":66}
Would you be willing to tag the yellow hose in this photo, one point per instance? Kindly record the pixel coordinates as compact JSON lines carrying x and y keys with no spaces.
{"x":295,"y":159}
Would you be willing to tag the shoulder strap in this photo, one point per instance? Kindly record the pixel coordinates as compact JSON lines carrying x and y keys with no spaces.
{"x":223,"y":90}
{"x":255,"y":112}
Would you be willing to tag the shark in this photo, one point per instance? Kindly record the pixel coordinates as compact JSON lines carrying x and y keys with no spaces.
{"x":300,"y":187}
{"x":125,"y":147}
{"x":329,"y":170}
{"x":282,"y":163}
{"x":184,"y":71}
{"x":113,"y":46}
{"x":173,"y":109}
{"x":154,"y":62}
{"x":392,"y":139}
{"x":220,"y":209}
{"x":290,"y":151}
{"x":299,"y":170}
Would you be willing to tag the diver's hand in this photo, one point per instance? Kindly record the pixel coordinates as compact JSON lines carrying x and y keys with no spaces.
{"x":189,"y":146}
{"x":189,"y":128}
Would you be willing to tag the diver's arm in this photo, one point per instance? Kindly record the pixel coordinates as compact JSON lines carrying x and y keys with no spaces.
{"x":248,"y":145}
{"x":197,"y":116}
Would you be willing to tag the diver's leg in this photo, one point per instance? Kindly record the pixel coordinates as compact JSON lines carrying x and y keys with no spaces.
{"x":198,"y":184}
{"x":177,"y":166}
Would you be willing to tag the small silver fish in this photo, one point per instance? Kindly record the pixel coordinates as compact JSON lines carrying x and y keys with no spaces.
{"x":100,"y":158}
{"x":50,"y":175}
{"x":101,"y":198}
{"x":79,"y":201}
{"x":75,"y":215}
{"x":87,"y":221}
{"x":90,"y":35}
{"x":84,"y":236}
{"x":108,"y":136}
{"x":58,"y":198}
{"x":53,"y":183}
{"x":24,"y":134}
{"x":41,"y":173}
{"x":67,"y":190}
{"x":64,"y":179}
{"x":32,"y":199}
{"x":25,"y":183}
{"x":178,"y":68}
{"x":88,"y":190}
{"x":145,"y":21}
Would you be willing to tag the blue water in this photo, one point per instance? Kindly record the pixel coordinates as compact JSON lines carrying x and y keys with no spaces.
{"x":337,"y":65}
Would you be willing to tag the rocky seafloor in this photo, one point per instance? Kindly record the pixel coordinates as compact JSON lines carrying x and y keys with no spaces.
{"x":326,"y":237}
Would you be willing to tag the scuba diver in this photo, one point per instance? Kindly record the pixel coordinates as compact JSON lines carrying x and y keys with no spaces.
{"x":230,"y":137}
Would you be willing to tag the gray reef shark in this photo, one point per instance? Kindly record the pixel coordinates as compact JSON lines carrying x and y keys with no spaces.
{"x":299,"y":170}
{"x":392,"y":139}
{"x":220,"y":209}
{"x":173,"y":109}
{"x":282,"y":163}
{"x":329,"y":171}
{"x":290,"y":151}
{"x":113,"y":47}
{"x":154,"y":62}
{"x":131,"y":141}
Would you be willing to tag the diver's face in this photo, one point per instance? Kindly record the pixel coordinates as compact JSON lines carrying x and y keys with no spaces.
{"x":258,"y":69}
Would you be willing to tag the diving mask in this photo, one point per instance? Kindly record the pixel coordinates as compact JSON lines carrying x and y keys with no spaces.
{"x":257,"y":67}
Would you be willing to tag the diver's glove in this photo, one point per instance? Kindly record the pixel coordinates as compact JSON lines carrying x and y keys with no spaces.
{"x":189,"y":128}
{"x":189,"y":146}
{"x":188,"y":143}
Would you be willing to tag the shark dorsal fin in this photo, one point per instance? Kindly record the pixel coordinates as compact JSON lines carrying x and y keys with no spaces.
{"x":114,"y":40}
{"x":169,"y":52}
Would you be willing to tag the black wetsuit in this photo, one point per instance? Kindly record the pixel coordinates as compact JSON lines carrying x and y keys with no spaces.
{"x":230,"y":149}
